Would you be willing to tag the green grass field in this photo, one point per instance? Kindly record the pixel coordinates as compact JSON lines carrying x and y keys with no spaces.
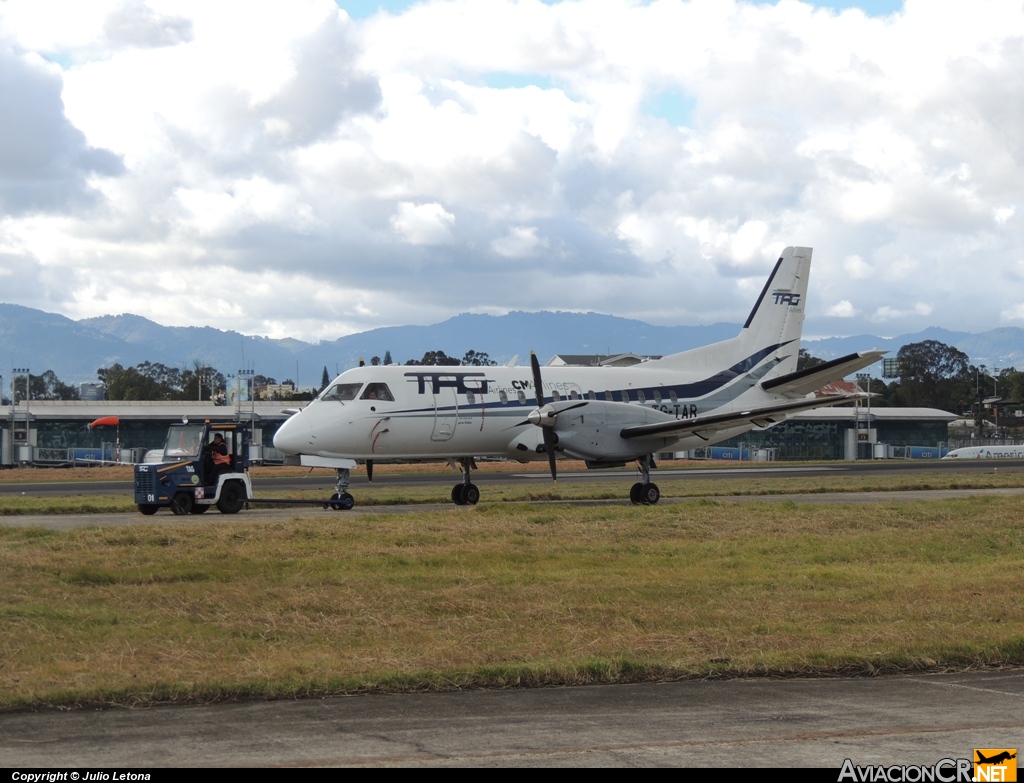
{"x":507,"y":594}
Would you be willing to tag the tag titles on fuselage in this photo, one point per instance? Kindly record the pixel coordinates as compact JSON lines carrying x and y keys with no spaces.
{"x":477,"y":383}
{"x":449,"y":380}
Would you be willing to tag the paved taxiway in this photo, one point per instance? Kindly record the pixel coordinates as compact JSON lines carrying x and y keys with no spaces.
{"x":267,"y":486}
{"x":277,"y":513}
{"x":737,"y":723}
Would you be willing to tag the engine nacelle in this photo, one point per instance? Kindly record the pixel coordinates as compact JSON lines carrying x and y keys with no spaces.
{"x":591,"y":431}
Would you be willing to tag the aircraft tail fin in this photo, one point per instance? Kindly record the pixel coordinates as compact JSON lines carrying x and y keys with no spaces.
{"x":777,"y":317}
{"x":773,"y":327}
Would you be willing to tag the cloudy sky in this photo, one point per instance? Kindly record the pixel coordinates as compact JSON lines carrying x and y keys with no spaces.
{"x":310,"y":168}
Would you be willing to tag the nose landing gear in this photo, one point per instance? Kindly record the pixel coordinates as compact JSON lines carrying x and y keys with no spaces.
{"x":341,"y":500}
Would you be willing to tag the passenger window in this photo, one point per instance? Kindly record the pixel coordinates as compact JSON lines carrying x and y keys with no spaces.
{"x":555,"y":396}
{"x":672,"y":396}
{"x":521,"y":396}
{"x":377,"y":391}
{"x":503,"y":397}
{"x":640,"y":395}
{"x":608,"y":396}
{"x":657,"y":396}
{"x":625,"y":395}
{"x":592,"y":394}
{"x":470,"y":398}
{"x":574,"y":395}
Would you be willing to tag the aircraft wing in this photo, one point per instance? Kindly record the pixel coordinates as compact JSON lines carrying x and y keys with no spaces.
{"x":760,"y":417}
{"x":807,"y":380}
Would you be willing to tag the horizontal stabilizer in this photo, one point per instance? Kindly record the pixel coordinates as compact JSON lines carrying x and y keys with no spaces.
{"x":809,"y":379}
{"x":759,"y":417}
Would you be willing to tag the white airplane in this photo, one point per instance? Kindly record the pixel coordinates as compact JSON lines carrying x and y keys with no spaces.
{"x":606,"y":416}
{"x":987,"y":452}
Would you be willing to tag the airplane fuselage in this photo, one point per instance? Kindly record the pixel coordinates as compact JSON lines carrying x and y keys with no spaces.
{"x":417,"y":412}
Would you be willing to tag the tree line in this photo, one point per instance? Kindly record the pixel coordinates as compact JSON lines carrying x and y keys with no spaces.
{"x":199,"y":383}
{"x":46,"y":386}
{"x":931,"y":375}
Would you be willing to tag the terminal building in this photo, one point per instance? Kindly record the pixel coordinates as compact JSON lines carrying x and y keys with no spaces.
{"x":842,"y":433}
{"x":88,"y":433}
{"x":93,"y":432}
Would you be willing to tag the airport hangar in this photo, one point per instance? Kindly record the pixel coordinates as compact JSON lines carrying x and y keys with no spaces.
{"x":51,"y":433}
{"x":58,"y":433}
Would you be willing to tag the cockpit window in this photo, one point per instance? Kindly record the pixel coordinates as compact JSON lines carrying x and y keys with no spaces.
{"x":377,"y":391}
{"x":342,"y":392}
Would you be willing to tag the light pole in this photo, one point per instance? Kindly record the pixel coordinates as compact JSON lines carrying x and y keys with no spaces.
{"x":200,"y":377}
{"x":28,"y":395}
{"x":247,"y":374}
{"x":981,"y":407}
{"x":28,"y":378}
{"x":866,"y":376}
{"x":995,"y":395}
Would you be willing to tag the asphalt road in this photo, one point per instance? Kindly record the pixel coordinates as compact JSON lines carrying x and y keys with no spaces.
{"x":268,"y":486}
{"x":270,"y":513}
{"x":739,"y":723}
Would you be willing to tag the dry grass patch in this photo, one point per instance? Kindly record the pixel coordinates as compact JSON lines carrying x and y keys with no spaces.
{"x":503,"y":595}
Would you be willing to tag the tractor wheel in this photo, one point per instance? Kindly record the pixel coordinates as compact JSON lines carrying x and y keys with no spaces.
{"x":232,"y":498}
{"x":181,"y":504}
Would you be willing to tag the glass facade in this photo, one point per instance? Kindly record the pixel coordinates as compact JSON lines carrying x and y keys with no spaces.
{"x":820,"y":439}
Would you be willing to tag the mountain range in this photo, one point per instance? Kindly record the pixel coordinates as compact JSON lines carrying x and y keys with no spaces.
{"x":74,"y":350}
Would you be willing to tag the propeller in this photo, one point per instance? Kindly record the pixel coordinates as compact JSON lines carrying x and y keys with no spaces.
{"x":544,"y":416}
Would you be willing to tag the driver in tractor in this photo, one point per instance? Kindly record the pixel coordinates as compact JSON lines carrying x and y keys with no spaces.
{"x":216,"y":460}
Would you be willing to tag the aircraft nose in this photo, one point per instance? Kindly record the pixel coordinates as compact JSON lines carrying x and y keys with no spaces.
{"x":292,"y":436}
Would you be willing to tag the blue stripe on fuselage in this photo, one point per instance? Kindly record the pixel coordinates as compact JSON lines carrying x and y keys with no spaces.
{"x":687,"y":391}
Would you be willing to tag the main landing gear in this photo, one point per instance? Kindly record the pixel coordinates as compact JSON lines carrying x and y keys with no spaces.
{"x":466,"y":493}
{"x":644,"y":492}
{"x":341,"y":500}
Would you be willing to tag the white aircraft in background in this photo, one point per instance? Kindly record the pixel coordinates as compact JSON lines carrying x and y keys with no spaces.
{"x":606,"y":416}
{"x":987,"y":452}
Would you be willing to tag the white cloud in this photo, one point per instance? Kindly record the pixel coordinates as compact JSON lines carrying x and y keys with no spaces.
{"x":263,"y":137}
{"x":1015,"y":313}
{"x":842,"y":309}
{"x":857,"y":268}
{"x":886,"y":313}
{"x":519,"y":242}
{"x":423,"y":224}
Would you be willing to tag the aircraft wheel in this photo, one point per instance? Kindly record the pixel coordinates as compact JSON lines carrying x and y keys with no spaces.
{"x":200,"y":508}
{"x":635,"y":492}
{"x":148,"y":509}
{"x":650,"y":494}
{"x":457,"y":498}
{"x":181,"y":504}
{"x":342,"y":502}
{"x":470,"y":494}
{"x":232,"y":498}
